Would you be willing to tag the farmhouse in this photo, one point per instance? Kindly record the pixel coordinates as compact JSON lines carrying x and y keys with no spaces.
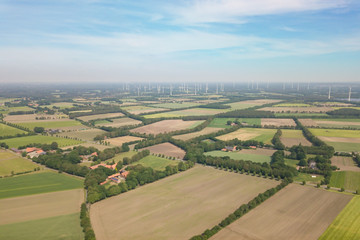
{"x":103,"y":165}
{"x":229,"y":149}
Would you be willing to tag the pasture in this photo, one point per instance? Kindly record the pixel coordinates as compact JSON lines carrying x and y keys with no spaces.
{"x":259,"y":134}
{"x":292,"y":137}
{"x":156,"y":163}
{"x":166,"y":126}
{"x":68,"y":124}
{"x":296,"y":212}
{"x":35,"y":118}
{"x":11,"y":163}
{"x":278,"y":122}
{"x":36,"y":183}
{"x":222,"y":122}
{"x":118,"y":122}
{"x":23,"y":141}
{"x":192,"y":135}
{"x":85,"y":135}
{"x":188,"y":112}
{"x":335,"y":133}
{"x":119,"y":157}
{"x":167,"y":149}
{"x":308,"y":178}
{"x":176,"y":207}
{"x":346,"y":224}
{"x":299,"y":115}
{"x":6,"y":130}
{"x":346,"y":179}
{"x":297,"y":109}
{"x":345,"y":146}
{"x":240,"y":156}
{"x":138,"y":109}
{"x":100,"y":116}
{"x":119,"y":141}
{"x":345,"y":163}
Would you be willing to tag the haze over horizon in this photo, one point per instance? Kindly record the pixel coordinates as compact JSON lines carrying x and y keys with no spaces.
{"x":197,"y":41}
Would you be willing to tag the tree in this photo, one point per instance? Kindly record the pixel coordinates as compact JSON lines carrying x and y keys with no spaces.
{"x":229,"y":122}
{"x":54,"y":146}
{"x":39,"y":129}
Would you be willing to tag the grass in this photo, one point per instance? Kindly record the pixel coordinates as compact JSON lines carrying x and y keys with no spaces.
{"x":292,"y":105}
{"x":308,"y":178}
{"x":222,"y":122}
{"x":50,"y":124}
{"x":345,"y":146}
{"x":290,"y":133}
{"x":291,"y":162}
{"x":195,"y":124}
{"x":346,"y":225}
{"x":6,"y":130}
{"x":119,"y":157}
{"x":65,"y":227}
{"x":240,"y":156}
{"x":156,"y":163}
{"x":87,"y":135}
{"x":258,"y":134}
{"x":37,"y":183}
{"x":345,"y":179}
{"x":12,"y":163}
{"x":335,"y":133}
{"x":23,"y":141}
{"x":24,"y":108}
{"x":187,"y":112}
{"x":240,"y":105}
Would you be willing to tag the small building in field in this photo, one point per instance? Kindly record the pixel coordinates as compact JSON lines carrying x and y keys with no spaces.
{"x":229,"y":149}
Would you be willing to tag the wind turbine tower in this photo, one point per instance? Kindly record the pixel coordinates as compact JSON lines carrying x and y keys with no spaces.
{"x":206,"y":88}
{"x":329,"y":92}
{"x":349,"y":94}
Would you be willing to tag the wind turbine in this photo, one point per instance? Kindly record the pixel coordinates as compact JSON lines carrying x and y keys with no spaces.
{"x":349,"y":94}
{"x":329,"y":92}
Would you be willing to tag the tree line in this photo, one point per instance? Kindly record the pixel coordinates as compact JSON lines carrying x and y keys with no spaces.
{"x":85,"y":223}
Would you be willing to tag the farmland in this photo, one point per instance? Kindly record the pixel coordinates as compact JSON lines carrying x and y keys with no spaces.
{"x":297,"y":109}
{"x":240,"y":156}
{"x":278,"y":122}
{"x":209,"y":194}
{"x":222,"y":122}
{"x":52,"y":124}
{"x":100,"y":116}
{"x":345,"y":179}
{"x":204,"y":131}
{"x":187,"y":112}
{"x":6,"y":130}
{"x":85,"y":135}
{"x":156,"y":163}
{"x":176,"y":105}
{"x":292,"y":137}
{"x":142,"y":109}
{"x":165,"y":126}
{"x":167,"y":149}
{"x":23,"y":141}
{"x":120,"y":156}
{"x":37,"y":183}
{"x":11,"y":163}
{"x":283,"y":216}
{"x":35,"y":118}
{"x":121,"y":140}
{"x":259,"y":134}
{"x":346,"y":225}
{"x":345,"y":163}
{"x":250,"y":103}
{"x":118,"y":122}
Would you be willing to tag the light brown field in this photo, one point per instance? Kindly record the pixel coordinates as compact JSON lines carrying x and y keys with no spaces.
{"x":277,"y":122}
{"x":121,"y":140}
{"x":259,"y":102}
{"x":100,"y":116}
{"x":32,"y":118}
{"x":340,"y":139}
{"x":291,"y":137}
{"x":296,"y":212}
{"x":176,"y":207}
{"x":243,"y":134}
{"x":38,"y":206}
{"x":143,"y":109}
{"x":259,"y":151}
{"x":308,"y":122}
{"x":297,"y":109}
{"x":204,"y":131}
{"x":87,"y":135}
{"x":167,"y":149}
{"x":338,"y":123}
{"x":345,"y":163}
{"x":164,"y":126}
{"x":120,"y":122}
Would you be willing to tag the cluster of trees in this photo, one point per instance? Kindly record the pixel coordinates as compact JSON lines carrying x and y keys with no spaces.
{"x":17,"y":135}
{"x":246,"y":113}
{"x":136,"y":157}
{"x":16,"y":126}
{"x":39,"y":129}
{"x":85,"y":223}
{"x":241,"y":211}
{"x":111,"y":152}
{"x":215,"y":106}
{"x":21,"y":112}
{"x":4,"y":145}
{"x":276,"y":140}
{"x":298,"y":153}
{"x":345,"y":112}
{"x":45,"y":147}
{"x":356,"y":158}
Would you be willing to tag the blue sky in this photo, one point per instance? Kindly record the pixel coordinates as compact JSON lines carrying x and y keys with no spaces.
{"x":228,"y":40}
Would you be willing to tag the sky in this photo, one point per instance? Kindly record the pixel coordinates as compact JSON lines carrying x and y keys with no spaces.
{"x":65,"y":41}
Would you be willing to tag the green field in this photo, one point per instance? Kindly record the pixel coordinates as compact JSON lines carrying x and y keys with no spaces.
{"x":346,"y":225}
{"x":243,"y":134}
{"x":335,"y":133}
{"x":301,"y":115}
{"x":187,"y":112}
{"x":222,"y":122}
{"x":23,"y":141}
{"x":240,"y":105}
{"x":346,"y":179}
{"x":308,"y":178}
{"x":50,"y":124}
{"x":65,"y":227}
{"x":345,"y":146}
{"x":291,"y":133}
{"x":175,"y":105}
{"x":291,"y":162}
{"x":156,"y":163}
{"x":240,"y":156}
{"x":37,"y":183}
{"x":10,"y":162}
{"x":339,"y":119}
{"x":120,"y":156}
{"x":24,"y":108}
{"x":6,"y":130}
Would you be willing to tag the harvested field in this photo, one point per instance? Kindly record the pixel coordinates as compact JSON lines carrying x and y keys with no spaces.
{"x":40,"y":206}
{"x":100,"y":116}
{"x":298,"y":109}
{"x":331,"y":123}
{"x":222,"y":122}
{"x":296,"y":212}
{"x":86,"y":135}
{"x":188,"y":112}
{"x":345,"y":163}
{"x":308,"y":122}
{"x":340,"y":139}
{"x":119,"y":141}
{"x":165,"y":126}
{"x":120,"y":122}
{"x":10,"y":162}
{"x":86,"y":144}
{"x":176,"y":105}
{"x":258,"y":151}
{"x":259,"y":134}
{"x":204,"y":131}
{"x":6,"y":130}
{"x":23,"y":141}
{"x":278,"y":122}
{"x":143,"y":109}
{"x":167,"y":149}
{"x":250,"y":103}
{"x":176,"y":207}
{"x":292,"y":137}
{"x":35,"y":117}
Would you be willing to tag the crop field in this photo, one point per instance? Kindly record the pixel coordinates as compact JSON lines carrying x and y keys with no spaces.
{"x":292,"y":105}
{"x":222,"y":122}
{"x":346,"y":224}
{"x":10,"y":162}
{"x":308,"y":178}
{"x":166,"y":126}
{"x":6,"y":130}
{"x":297,"y":109}
{"x":346,"y":179}
{"x":23,"y":141}
{"x":188,"y":112}
{"x":38,"y":206}
{"x":52,"y":124}
{"x":24,"y":108}
{"x":345,"y":163}
{"x":296,"y":212}
{"x":118,"y":122}
{"x":192,"y":135}
{"x":240,"y":156}
{"x":167,"y":149}
{"x":278,"y":122}
{"x":88,"y":144}
{"x":61,"y":105}
{"x":156,"y":163}
{"x":119,"y":157}
{"x":300,"y":115}
{"x":331,"y":123}
{"x":292,"y":137}
{"x":35,"y":117}
{"x":139,"y":109}
{"x":119,"y":141}
{"x":176,"y":207}
{"x":259,"y":134}
{"x":176,"y":105}
{"x":36,"y":183}
{"x":85,"y":135}
{"x":100,"y":116}
{"x":345,"y":146}
{"x":250,"y":103}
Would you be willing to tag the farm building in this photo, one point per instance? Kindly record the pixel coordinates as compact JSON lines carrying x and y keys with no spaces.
{"x":229,"y":149}
{"x":103,"y":165}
